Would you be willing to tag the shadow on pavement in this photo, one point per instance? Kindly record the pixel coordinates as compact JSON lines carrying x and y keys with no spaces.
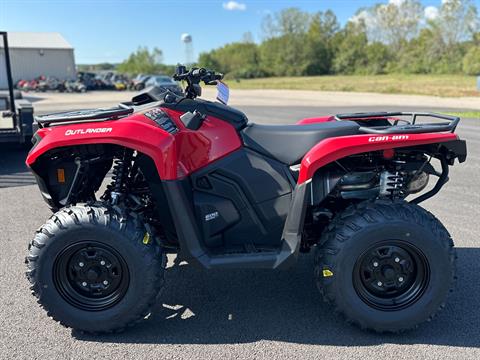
{"x":13,"y":171}
{"x":229,"y":307}
{"x":33,"y":98}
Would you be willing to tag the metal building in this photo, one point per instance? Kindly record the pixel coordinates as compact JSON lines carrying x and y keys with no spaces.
{"x":34,"y":54}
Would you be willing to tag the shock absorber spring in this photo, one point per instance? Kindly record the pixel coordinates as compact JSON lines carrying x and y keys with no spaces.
{"x":120,"y":171}
{"x":391,"y":184}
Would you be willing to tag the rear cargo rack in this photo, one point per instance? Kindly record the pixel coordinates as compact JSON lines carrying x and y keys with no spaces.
{"x":403,"y":126}
{"x":84,"y":115}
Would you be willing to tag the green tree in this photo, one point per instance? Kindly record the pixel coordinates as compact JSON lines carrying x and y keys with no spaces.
{"x":476,"y":39}
{"x":238,"y":60}
{"x":143,"y":61}
{"x":286,"y":55}
{"x":397,"y":22}
{"x":393,"y":23}
{"x":457,"y":21}
{"x":471,"y":61}
{"x":208,"y":61}
{"x":428,"y":54}
{"x":384,"y":38}
{"x":455,"y":24}
{"x":320,"y":43}
{"x":351,"y":54}
{"x":377,"y":59}
{"x":284,"y":52}
{"x":288,"y":21}
{"x":105,"y":66}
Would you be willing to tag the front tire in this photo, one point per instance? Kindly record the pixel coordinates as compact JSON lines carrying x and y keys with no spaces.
{"x":93,"y":269}
{"x":386,"y":266}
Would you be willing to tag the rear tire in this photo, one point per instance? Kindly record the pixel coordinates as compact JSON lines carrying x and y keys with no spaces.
{"x":91,"y":269}
{"x":386,"y":266}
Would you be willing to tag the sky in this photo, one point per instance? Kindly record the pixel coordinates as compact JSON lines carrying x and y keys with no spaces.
{"x":108,"y":31}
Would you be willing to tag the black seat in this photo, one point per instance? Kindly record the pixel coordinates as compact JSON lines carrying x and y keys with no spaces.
{"x":289,"y":143}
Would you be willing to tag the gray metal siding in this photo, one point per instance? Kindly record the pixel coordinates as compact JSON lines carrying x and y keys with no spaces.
{"x":30,"y":63}
{"x":3,"y":71}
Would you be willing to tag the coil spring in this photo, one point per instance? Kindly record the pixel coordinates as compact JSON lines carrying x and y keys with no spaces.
{"x":120,"y":170}
{"x":391,"y":184}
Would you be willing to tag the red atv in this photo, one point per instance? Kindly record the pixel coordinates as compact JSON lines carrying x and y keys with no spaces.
{"x":194,"y":178}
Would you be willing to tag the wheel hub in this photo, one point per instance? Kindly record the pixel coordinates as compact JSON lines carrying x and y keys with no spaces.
{"x":91,"y":275}
{"x":388,"y":272}
{"x":391,"y":275}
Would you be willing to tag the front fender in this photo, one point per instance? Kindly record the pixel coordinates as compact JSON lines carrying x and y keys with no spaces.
{"x":135,"y":133}
{"x":332,"y":149}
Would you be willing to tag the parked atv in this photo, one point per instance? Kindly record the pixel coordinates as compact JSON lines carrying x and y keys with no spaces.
{"x":195,"y":178}
{"x":89,"y":80}
{"x":120,"y":82}
{"x":72,"y":86}
{"x":31,"y":85}
{"x":138,"y":83}
{"x":21,"y":84}
{"x":50,"y":83}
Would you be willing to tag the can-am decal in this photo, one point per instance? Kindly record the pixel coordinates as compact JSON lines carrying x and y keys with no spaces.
{"x":87,"y":131}
{"x":387,"y":138}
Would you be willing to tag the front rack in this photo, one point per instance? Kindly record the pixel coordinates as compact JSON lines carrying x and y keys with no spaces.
{"x":84,"y":115}
{"x":402,"y":126}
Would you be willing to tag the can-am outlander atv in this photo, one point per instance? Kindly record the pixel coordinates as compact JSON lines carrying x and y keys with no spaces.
{"x":195,"y":178}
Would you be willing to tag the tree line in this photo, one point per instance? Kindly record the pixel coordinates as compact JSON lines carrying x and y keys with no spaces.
{"x":398,"y":37}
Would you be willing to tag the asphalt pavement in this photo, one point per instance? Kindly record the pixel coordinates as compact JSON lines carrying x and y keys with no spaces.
{"x":242,"y":314}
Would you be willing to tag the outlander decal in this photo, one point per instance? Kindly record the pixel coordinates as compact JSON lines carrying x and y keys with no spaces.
{"x":88,"y":131}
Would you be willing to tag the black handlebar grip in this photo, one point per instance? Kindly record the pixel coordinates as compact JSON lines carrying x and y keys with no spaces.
{"x":199,"y":72}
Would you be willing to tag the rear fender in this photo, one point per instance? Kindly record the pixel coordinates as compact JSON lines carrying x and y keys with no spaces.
{"x":332,"y":149}
{"x":316,"y":120}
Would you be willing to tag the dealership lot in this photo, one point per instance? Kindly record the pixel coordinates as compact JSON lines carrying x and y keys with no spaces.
{"x":243,"y":314}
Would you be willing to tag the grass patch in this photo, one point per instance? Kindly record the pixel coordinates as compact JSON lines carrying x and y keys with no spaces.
{"x":466,"y":114}
{"x":436,"y":85}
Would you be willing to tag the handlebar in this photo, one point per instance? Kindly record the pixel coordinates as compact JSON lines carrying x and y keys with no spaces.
{"x":193,"y":78}
{"x":199,"y":72}
{"x":195,"y":75}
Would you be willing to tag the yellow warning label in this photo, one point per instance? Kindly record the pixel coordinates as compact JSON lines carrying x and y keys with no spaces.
{"x":146,"y":238}
{"x":327,"y":273}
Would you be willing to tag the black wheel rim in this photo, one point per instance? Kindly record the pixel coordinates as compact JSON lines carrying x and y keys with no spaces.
{"x":391,"y":275}
{"x":91,"y":275}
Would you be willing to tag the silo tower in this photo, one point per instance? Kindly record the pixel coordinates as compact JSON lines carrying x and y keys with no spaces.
{"x":188,"y":44}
